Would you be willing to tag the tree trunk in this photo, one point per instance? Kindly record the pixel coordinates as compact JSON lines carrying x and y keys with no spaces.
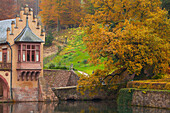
{"x":58,"y":25}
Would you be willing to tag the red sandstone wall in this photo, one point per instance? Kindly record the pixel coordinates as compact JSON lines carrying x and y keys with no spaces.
{"x":25,"y":94}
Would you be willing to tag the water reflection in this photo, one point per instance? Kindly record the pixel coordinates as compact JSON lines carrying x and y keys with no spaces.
{"x":75,"y":107}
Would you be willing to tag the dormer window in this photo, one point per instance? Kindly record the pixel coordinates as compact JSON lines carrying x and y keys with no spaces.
{"x":29,"y":52}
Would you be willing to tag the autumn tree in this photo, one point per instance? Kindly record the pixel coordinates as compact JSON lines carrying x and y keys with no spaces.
{"x":7,"y":9}
{"x":61,"y":12}
{"x":132,"y":36}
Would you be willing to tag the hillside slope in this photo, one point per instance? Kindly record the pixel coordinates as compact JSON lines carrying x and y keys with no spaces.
{"x":72,"y":52}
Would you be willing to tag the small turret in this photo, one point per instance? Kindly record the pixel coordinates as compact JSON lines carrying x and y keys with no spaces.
{"x":21,"y":14}
{"x":12,"y":27}
{"x":26,"y":12}
{"x":17,"y":21}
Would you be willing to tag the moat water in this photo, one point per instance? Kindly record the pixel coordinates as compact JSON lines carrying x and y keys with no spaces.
{"x":75,"y":107}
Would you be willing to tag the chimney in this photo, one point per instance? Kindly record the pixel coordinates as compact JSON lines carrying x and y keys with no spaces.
{"x":26,"y":9}
{"x":7,"y":36}
{"x":17,"y":21}
{"x":21,"y":13}
{"x":12,"y":27}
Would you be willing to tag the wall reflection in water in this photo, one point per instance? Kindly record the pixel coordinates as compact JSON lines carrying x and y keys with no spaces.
{"x":75,"y":107}
{"x":29,"y":107}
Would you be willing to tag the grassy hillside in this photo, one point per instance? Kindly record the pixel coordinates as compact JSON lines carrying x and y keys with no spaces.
{"x":74,"y":52}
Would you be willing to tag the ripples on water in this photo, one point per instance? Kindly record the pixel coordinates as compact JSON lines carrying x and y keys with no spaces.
{"x":75,"y":107}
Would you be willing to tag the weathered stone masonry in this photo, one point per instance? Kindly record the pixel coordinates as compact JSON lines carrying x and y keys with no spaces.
{"x":144,"y":97}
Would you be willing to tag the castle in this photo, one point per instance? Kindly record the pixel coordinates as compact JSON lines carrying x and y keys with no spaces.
{"x":21,"y":57}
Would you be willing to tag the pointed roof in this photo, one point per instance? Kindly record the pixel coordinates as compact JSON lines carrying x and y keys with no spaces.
{"x":27,"y":35}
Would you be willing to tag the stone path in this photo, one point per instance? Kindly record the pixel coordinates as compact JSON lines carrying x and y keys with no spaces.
{"x":83,"y":73}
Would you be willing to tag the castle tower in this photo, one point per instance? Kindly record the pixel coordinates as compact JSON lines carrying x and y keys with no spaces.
{"x":21,"y":56}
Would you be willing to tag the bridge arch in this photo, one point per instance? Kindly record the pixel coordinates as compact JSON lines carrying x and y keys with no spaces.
{"x":4,"y":88}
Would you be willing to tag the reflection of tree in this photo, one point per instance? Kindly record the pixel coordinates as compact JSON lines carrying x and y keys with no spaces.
{"x":75,"y":107}
{"x":86,"y":107}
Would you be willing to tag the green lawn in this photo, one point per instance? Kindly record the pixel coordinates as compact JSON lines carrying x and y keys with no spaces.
{"x":75,"y":53}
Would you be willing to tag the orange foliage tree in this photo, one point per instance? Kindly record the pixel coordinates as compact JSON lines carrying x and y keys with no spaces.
{"x":130,"y":35}
{"x":7,"y":9}
{"x":64,"y":12}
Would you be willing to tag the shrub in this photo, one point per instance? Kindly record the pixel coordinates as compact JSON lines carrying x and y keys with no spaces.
{"x":49,"y":39}
{"x":59,"y":49}
{"x":65,"y":56}
{"x":61,"y":67}
{"x":85,"y":61}
{"x":51,"y":66}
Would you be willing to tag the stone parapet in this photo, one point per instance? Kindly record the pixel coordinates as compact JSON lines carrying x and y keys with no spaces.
{"x":144,"y":97}
{"x":71,"y":93}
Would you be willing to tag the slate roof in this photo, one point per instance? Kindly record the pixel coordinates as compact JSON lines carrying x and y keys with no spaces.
{"x":4,"y":24}
{"x":60,"y":78}
{"x":27,"y":35}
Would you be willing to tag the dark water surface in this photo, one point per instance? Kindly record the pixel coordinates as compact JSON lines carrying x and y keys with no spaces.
{"x":75,"y":107}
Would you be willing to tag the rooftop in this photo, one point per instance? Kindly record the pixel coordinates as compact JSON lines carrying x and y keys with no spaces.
{"x":27,"y":35}
{"x":4,"y":24}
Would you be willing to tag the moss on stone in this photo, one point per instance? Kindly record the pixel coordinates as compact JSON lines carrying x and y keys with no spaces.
{"x":125,"y":96}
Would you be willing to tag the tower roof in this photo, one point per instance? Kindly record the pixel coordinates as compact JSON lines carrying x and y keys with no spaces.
{"x":27,"y":35}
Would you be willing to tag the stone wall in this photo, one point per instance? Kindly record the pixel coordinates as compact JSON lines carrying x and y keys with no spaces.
{"x":25,"y":94}
{"x":159,"y":99}
{"x":45,"y":92}
{"x":144,"y":97}
{"x":42,"y":93}
{"x":70,"y":93}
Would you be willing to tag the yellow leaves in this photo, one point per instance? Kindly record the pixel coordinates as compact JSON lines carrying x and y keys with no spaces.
{"x":67,"y":11}
{"x":131,"y":35}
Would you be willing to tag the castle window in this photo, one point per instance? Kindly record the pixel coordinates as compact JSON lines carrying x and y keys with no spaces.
{"x":28,"y":55}
{"x":29,"y":52}
{"x":28,"y":46}
{"x":24,"y":47}
{"x":19,"y":55}
{"x":4,"y":57}
{"x":37,"y":56}
{"x":33,"y":55}
{"x":33,"y":46}
{"x":23,"y":53}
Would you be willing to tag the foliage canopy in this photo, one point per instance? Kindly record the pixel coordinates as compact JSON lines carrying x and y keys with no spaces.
{"x":132,"y":35}
{"x":64,"y":12}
